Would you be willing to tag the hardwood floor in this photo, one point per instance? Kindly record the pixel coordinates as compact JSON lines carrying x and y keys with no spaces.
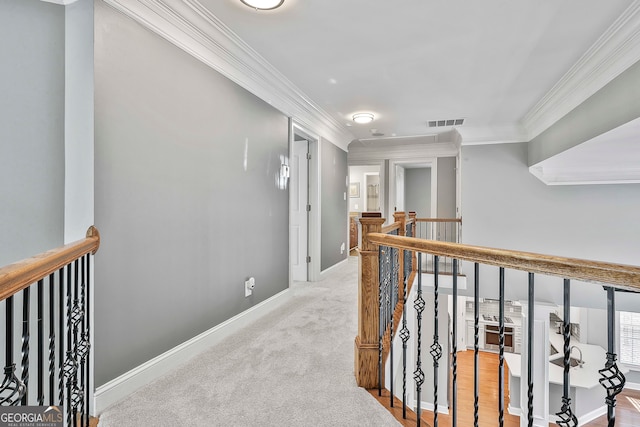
{"x":627,"y":409}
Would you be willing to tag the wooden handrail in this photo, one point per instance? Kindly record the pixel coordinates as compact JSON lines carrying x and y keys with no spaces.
{"x":439,"y":220}
{"x":391,"y":227}
{"x":624,"y":276}
{"x":20,"y":275}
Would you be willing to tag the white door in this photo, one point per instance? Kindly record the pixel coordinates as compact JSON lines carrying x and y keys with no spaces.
{"x":299,"y":172}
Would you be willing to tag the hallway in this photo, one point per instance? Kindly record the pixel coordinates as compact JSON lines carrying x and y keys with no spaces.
{"x":293,"y":367}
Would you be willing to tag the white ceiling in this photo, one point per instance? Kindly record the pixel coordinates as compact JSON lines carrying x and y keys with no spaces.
{"x":489,"y":62}
{"x":509,"y":68}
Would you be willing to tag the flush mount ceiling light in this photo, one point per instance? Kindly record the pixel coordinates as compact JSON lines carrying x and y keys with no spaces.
{"x":363,"y":118}
{"x":263,"y":4}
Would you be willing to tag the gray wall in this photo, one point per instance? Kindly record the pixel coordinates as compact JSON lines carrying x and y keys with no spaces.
{"x":79,"y":159}
{"x":188,"y":196}
{"x":504,"y":206}
{"x":334,"y":174}
{"x":446,"y":187}
{"x":31,"y":128}
{"x":418,"y":191}
{"x":616,"y":103}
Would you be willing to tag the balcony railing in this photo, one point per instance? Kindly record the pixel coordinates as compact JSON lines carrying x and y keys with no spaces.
{"x":389,"y":313}
{"x":51,"y":331}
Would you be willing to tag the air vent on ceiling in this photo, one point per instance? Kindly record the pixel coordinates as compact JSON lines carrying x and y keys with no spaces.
{"x":447,"y":122}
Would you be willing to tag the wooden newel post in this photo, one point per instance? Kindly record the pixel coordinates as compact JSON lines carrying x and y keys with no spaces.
{"x":414,"y":229}
{"x":366,"y":343}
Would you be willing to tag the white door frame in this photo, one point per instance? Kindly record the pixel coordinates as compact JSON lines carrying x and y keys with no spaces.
{"x":381,"y":169}
{"x":427,"y":162}
{"x":366,"y":193}
{"x":313,"y":226}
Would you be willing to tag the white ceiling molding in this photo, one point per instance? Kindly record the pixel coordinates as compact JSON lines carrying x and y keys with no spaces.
{"x":484,"y":135}
{"x":194,"y":29}
{"x":360,"y":153}
{"x":615,"y":51}
{"x":585,"y":176}
{"x":60,"y":2}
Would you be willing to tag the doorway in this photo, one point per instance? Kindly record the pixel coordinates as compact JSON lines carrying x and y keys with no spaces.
{"x":299,"y":233}
{"x":372,"y":185}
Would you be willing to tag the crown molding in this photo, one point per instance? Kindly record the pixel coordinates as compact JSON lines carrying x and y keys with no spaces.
{"x":484,"y":135}
{"x":60,"y":2}
{"x":586,"y":176}
{"x":362,"y":153}
{"x":615,"y":51}
{"x":193,"y":28}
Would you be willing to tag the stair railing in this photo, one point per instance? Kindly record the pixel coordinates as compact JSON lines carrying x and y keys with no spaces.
{"x":442,"y":230}
{"x":54,"y":370}
{"x":614,"y":276}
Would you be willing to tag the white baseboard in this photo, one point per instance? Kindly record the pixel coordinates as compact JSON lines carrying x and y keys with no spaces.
{"x":324,"y":273}
{"x":632,"y":386}
{"x":428,"y":406}
{"x":590,"y":416}
{"x":584,"y":419}
{"x":121,"y":387}
{"x":512,"y":410}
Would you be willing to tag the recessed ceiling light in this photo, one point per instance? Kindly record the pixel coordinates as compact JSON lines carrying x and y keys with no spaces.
{"x":363,"y":118}
{"x":263,"y":4}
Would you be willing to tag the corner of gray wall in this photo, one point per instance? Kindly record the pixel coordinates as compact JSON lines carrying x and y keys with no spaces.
{"x":334,"y":204}
{"x":615,"y":104}
{"x":31,"y":128}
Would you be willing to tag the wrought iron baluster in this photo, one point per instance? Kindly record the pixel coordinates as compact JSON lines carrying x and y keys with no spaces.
{"x":40,"y":309}
{"x":418,"y":374}
{"x":436,"y":348}
{"x":26,"y":293}
{"x":12,"y":389}
{"x":530,"y":350}
{"x":69,"y":364}
{"x":612,"y":379}
{"x":52,"y":340}
{"x":476,"y":343}
{"x":567,"y":418}
{"x":393,"y":290}
{"x":454,"y":397}
{"x":61,"y":340}
{"x":83,"y":346}
{"x":501,"y":349}
{"x":404,"y":336}
{"x":77,"y":314}
{"x":88,"y":338}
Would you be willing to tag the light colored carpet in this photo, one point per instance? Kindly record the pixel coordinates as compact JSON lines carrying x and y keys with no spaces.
{"x":293,"y":367}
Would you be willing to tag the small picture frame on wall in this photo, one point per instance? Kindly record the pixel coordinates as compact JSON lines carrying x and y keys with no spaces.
{"x":354,"y":189}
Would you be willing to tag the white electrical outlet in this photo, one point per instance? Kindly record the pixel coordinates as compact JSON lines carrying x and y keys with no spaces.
{"x":249,"y":285}
{"x":342,"y":248}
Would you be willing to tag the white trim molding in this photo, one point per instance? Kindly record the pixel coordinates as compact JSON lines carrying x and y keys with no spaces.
{"x":60,"y":2}
{"x":615,"y":51}
{"x":193,"y":28}
{"x":127,"y":383}
{"x":585,"y":175}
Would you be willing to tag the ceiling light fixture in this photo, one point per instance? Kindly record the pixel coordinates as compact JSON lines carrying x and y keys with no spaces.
{"x":363,"y":118}
{"x":263,"y":4}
